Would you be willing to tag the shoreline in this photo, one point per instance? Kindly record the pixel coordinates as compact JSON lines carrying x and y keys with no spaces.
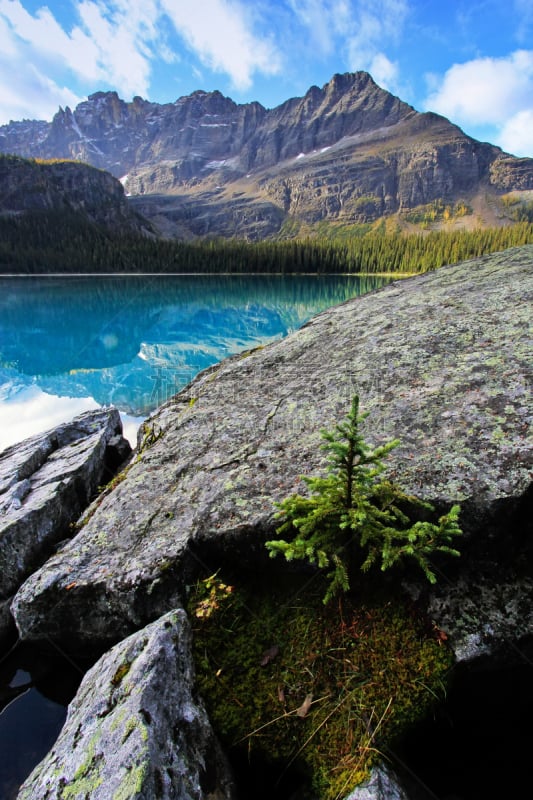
{"x":208,"y":274}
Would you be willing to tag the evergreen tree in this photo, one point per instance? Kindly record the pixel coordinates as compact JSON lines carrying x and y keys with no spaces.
{"x":354,"y":517}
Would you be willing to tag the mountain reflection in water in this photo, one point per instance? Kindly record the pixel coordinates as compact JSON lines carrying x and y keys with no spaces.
{"x":134,"y":341}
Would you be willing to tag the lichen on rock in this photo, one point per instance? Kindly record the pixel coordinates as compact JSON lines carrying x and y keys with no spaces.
{"x":441,"y":361}
{"x":45,"y":483}
{"x":135,"y":728}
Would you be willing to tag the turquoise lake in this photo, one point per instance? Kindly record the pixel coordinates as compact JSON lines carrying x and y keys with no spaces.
{"x":68,"y":344}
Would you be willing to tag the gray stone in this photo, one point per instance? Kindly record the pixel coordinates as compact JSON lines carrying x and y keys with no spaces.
{"x":440,"y":361}
{"x":382,"y":785}
{"x":135,"y":728}
{"x":45,"y":483}
{"x":482,"y":615}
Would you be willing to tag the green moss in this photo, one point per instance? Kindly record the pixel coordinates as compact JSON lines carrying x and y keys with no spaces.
{"x":134,"y":723}
{"x":87,"y":777}
{"x":293,"y":682}
{"x":132,"y":784}
{"x":150,"y":435}
{"x":101,"y":539}
{"x":118,"y":719}
{"x":121,"y":672}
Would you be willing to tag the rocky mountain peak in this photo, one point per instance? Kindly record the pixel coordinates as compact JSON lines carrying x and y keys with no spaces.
{"x":348,"y":152}
{"x":342,"y":83}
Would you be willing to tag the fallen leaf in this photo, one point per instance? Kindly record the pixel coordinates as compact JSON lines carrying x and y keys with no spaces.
{"x":304,"y":708}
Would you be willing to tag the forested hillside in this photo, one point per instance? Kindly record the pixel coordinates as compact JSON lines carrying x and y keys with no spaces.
{"x":62,"y":242}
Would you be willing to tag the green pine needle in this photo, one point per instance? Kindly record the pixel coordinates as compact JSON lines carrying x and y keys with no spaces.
{"x":354,"y":518}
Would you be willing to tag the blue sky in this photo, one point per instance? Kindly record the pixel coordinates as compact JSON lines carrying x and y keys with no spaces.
{"x":471,"y":60}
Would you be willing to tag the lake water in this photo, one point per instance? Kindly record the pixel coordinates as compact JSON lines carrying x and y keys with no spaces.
{"x":68,"y":344}
{"x":75,"y":343}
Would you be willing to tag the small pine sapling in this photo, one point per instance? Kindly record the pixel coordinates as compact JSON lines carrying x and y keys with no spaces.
{"x":353,"y":515}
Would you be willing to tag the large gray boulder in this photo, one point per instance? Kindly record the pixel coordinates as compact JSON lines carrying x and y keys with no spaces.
{"x":135,"y":728}
{"x":45,"y":483}
{"x":440,"y":361}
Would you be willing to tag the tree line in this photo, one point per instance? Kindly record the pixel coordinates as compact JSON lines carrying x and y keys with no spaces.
{"x":61,"y":242}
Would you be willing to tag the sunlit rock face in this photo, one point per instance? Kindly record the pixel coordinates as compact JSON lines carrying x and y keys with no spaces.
{"x":440,"y":361}
{"x":205,"y":165}
{"x":45,"y":483}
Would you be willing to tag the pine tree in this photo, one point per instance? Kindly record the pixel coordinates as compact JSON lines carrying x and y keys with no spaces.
{"x":352,"y":516}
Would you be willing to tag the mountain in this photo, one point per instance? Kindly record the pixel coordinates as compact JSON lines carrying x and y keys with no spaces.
{"x":347,"y":153}
{"x":86,"y":193}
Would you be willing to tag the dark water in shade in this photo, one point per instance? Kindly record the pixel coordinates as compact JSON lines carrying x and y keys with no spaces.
{"x":35,"y":688}
{"x":72,"y":343}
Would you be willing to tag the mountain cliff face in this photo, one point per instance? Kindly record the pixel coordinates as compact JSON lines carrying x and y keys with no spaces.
{"x":348,"y":152}
{"x":30,"y":186}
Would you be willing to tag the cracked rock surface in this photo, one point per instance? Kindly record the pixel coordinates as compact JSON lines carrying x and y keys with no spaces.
{"x":45,"y":483}
{"x":135,"y":729}
{"x":442,"y":361}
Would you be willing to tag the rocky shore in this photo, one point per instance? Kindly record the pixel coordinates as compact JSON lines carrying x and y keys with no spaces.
{"x":442,"y":361}
{"x":45,"y":484}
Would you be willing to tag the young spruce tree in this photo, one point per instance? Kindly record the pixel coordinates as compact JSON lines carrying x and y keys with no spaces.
{"x":354,"y":517}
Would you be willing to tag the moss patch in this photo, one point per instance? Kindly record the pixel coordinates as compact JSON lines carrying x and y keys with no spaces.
{"x":322,"y":689}
{"x":87,"y":777}
{"x":121,"y":672}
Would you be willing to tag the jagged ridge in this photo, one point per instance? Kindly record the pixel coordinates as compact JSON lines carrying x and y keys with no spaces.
{"x":348,"y":152}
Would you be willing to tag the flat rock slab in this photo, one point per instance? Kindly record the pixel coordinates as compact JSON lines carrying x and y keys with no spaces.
{"x":45,"y":483}
{"x":135,"y":730}
{"x":441,"y":361}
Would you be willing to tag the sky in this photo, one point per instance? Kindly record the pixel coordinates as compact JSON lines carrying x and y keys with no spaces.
{"x":470,"y":60}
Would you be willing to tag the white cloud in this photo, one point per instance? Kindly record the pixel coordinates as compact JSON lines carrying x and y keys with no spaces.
{"x":111,"y":46}
{"x":221,"y":35}
{"x":31,"y":411}
{"x":524,"y":19}
{"x":490,"y":91}
{"x":516,"y":136}
{"x":384,"y":71}
{"x":485,"y":90}
{"x":7,"y":46}
{"x":376,"y":24}
{"x":27,"y":94}
{"x":46,"y":38}
{"x":320,"y":20}
{"x":122,"y":40}
{"x":357,"y":30}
